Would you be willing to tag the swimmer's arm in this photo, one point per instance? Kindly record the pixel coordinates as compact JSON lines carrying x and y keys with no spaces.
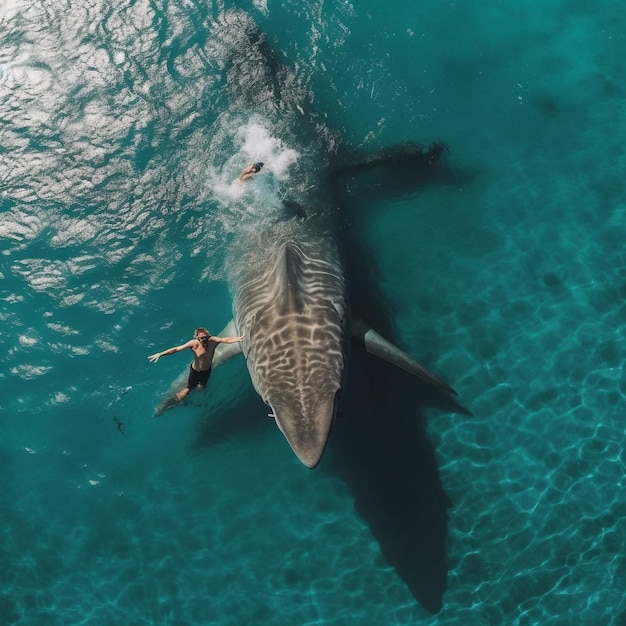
{"x":227,"y":339}
{"x":244,"y":177}
{"x":153,"y":358}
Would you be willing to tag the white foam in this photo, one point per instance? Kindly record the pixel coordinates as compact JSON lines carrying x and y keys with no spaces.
{"x":261,"y":5}
{"x":60,"y":398}
{"x":29,"y":372}
{"x":259,"y":145}
{"x":242,"y":142}
{"x":27,"y":340}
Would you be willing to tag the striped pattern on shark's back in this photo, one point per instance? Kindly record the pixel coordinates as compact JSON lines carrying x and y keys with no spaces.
{"x":293,"y":314}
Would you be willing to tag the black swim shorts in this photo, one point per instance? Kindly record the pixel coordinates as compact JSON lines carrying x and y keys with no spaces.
{"x":197,"y":378}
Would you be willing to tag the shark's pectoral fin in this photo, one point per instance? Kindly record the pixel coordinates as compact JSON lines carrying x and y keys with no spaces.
{"x":225,"y":351}
{"x":367,"y":338}
{"x":406,"y":156}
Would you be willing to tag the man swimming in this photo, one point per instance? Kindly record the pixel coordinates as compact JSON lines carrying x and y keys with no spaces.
{"x":249,"y":171}
{"x":203,"y":346}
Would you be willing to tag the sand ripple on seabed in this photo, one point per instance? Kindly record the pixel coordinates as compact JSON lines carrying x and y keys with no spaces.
{"x":536,"y":350}
{"x":147,"y":569}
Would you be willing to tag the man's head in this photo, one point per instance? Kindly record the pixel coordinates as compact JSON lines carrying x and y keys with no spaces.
{"x":202,"y":335}
{"x":257,"y":167}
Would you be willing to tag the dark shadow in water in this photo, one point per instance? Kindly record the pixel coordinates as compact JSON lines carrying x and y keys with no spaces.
{"x":398,"y":170}
{"x":379,"y":444}
{"x":225,"y":421}
{"x":242,"y":420}
{"x":380,"y":448}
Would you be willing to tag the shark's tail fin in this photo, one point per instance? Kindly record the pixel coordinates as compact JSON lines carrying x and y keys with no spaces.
{"x":367,"y":338}
{"x":252,"y":74}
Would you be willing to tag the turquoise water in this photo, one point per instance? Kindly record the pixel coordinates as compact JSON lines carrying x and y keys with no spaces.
{"x":505,"y":274}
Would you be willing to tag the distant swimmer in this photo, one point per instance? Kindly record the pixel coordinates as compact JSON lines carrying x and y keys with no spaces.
{"x":249,"y":171}
{"x":118,"y":424}
{"x":203,"y":346}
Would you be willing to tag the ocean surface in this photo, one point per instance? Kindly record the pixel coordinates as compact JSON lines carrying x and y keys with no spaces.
{"x":505,"y":274}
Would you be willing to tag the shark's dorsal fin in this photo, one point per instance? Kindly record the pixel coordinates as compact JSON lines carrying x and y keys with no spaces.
{"x":225,"y":351}
{"x":289,"y":274}
{"x":364,"y":336}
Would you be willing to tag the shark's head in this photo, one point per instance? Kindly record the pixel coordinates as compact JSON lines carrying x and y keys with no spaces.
{"x":292,"y":312}
{"x":305,"y":419}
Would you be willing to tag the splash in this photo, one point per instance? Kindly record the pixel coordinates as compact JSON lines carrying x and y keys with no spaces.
{"x":259,"y":144}
{"x":240,"y":143}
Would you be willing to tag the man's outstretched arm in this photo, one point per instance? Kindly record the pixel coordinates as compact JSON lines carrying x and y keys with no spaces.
{"x":227,"y":339}
{"x":153,"y":358}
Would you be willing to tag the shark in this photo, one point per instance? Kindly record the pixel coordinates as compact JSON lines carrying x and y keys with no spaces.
{"x":287,"y":279}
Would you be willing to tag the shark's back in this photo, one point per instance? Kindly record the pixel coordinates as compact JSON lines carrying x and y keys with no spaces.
{"x":291,"y":306}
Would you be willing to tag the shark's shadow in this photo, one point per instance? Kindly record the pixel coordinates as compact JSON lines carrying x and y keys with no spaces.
{"x":380,"y":447}
{"x":223,"y":419}
{"x":394,"y":171}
